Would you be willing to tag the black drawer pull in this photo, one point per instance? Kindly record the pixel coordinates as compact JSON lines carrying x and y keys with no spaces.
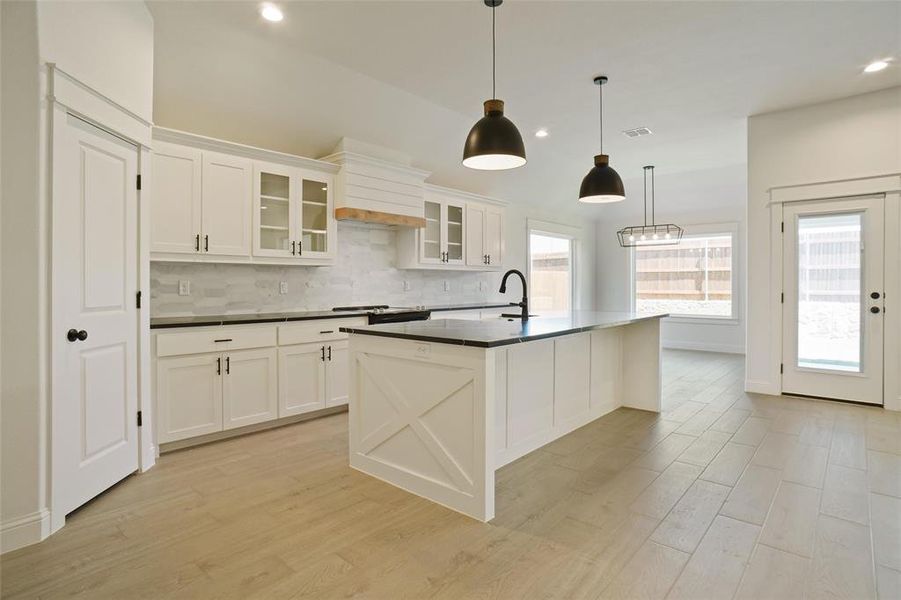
{"x":328,"y":331}
{"x":223,"y":340}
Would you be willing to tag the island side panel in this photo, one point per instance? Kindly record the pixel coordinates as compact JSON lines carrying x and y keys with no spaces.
{"x":421,"y":417}
{"x":641,"y":365}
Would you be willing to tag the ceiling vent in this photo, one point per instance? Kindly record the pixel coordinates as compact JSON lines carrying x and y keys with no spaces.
{"x":637,"y":132}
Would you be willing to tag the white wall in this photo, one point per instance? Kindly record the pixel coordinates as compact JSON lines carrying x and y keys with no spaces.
{"x":106,"y":45}
{"x":109,"y":47}
{"x":848,"y":138}
{"x":685,"y":199}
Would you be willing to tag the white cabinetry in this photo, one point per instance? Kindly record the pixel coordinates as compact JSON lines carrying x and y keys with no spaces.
{"x":189,"y":396}
{"x":292,"y":211}
{"x":225,"y":201}
{"x":484,"y":235}
{"x":301,"y":373}
{"x":462,"y":231}
{"x":175,"y":209}
{"x":215,"y":201}
{"x":249,"y":387}
{"x":212,"y":379}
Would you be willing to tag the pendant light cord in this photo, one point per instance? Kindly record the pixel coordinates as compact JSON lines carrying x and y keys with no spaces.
{"x":601,"y":117}
{"x":493,"y":56}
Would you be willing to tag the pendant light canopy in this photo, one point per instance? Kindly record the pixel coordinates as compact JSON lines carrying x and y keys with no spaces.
{"x":602,"y":184}
{"x":666,"y":234}
{"x":494,"y":142}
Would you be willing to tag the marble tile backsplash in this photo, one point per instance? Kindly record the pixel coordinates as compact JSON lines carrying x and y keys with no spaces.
{"x":364,"y":273}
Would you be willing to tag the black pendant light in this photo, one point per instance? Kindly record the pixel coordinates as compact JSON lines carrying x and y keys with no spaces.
{"x":494,"y":143}
{"x":602,"y":184}
{"x":667,"y":234}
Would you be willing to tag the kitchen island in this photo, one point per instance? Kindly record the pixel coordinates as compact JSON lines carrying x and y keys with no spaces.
{"x":437,"y":406}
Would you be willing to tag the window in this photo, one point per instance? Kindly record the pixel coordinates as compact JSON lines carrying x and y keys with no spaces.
{"x":693,"y":279}
{"x":550,"y":273}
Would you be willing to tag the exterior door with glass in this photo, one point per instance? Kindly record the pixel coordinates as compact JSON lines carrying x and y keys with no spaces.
{"x":833,"y":304}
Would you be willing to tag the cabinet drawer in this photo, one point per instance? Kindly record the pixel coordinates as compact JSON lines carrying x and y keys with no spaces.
{"x":316,"y":331}
{"x":215,"y":340}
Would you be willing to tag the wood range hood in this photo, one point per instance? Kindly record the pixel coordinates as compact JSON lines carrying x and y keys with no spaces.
{"x":377,"y":185}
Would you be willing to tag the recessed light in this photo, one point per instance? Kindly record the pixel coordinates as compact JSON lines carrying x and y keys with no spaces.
{"x":541,"y":133}
{"x":271,"y":13}
{"x":875,"y":66}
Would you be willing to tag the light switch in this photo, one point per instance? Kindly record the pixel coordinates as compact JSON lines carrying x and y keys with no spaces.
{"x":184,"y":287}
{"x":407,"y":286}
{"x":283,"y":287}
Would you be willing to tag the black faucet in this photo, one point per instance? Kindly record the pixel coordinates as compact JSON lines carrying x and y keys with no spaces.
{"x":525,"y":295}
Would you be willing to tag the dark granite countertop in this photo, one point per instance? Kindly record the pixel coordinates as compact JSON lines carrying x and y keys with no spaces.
{"x":280,"y":317}
{"x":500,"y":332}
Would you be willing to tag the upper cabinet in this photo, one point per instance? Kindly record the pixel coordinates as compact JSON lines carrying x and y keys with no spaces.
{"x":221,"y":202}
{"x":292,"y":209}
{"x":462,"y":231}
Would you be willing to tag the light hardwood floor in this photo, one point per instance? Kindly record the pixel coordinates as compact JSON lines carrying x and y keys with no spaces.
{"x":723,"y":495}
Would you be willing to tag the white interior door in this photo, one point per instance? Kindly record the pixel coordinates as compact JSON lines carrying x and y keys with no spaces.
{"x":833,"y":253}
{"x":95,"y":322}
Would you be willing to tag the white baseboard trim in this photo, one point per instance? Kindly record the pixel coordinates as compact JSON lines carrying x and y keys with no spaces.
{"x":762,"y":387}
{"x":24,"y":531}
{"x":703,"y":347}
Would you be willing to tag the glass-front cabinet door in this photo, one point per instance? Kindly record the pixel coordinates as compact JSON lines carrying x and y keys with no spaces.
{"x":453,"y":221}
{"x":314,"y":235}
{"x":274,"y":199}
{"x":431,"y":237}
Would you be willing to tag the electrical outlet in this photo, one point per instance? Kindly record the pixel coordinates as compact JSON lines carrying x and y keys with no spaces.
{"x":482,"y":286}
{"x":407,"y":286}
{"x":184,"y":287}
{"x":283,"y":287}
{"x":447,"y":286}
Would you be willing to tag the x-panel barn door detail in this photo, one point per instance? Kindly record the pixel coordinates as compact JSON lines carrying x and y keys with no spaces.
{"x":425,"y":431}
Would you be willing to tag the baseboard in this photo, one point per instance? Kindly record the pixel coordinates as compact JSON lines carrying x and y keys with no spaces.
{"x":762,"y":387}
{"x":24,"y":531}
{"x":703,"y":347}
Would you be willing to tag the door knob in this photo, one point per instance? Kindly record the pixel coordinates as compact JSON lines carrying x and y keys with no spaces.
{"x":874,"y":295}
{"x":874,"y":309}
{"x":76,"y":335}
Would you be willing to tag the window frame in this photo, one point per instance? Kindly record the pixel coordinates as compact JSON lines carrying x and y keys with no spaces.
{"x":556,"y":230}
{"x":704,"y":230}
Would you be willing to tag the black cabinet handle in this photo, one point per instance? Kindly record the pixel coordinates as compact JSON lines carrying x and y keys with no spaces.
{"x":228,"y":365}
{"x":222,"y":340}
{"x":327,"y":331}
{"x":197,"y":243}
{"x":330,"y":353}
{"x":75,"y":335}
{"x":293,"y":248}
{"x":300,"y":247}
{"x":489,"y":259}
{"x":218,"y":365}
{"x":206,"y":243}
{"x":322,"y":353}
{"x":874,"y":309}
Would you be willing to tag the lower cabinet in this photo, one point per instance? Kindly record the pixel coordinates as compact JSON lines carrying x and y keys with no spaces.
{"x":312,"y":376}
{"x":301,"y":375}
{"x":249,"y":387}
{"x":189,"y":396}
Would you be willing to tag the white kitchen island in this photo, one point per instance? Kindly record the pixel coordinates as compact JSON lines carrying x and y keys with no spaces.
{"x":437,"y":406}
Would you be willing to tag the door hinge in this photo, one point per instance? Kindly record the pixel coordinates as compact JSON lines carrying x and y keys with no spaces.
{"x":139,"y":181}
{"x":140,"y":423}
{"x":781,"y":368}
{"x":782,"y":297}
{"x":138,"y":299}
{"x":783,"y":226}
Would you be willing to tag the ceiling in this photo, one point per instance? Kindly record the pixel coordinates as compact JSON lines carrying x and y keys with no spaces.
{"x":412,"y":76}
